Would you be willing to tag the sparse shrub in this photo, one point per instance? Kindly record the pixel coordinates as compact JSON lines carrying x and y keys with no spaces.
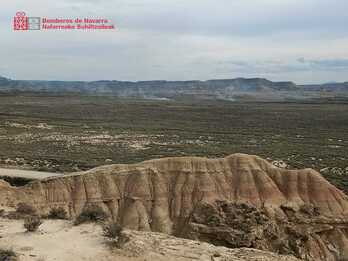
{"x":2,"y":212}
{"x":32,"y":223}
{"x":57,"y":213}
{"x":112,"y":230}
{"x":213,"y":220}
{"x":91,"y":213}
{"x":8,"y":255}
{"x":25,"y":209}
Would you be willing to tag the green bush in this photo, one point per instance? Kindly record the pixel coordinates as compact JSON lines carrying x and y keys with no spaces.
{"x":58,"y":213}
{"x":7,"y":255}
{"x":25,"y":209}
{"x":91,"y":213}
{"x":112,"y":230}
{"x":213,"y":220}
{"x":32,"y":223}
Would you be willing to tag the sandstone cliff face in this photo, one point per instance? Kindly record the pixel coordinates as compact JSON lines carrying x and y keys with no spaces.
{"x":165,"y":195}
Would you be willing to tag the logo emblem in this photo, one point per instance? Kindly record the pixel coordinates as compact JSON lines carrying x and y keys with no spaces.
{"x":20,"y":21}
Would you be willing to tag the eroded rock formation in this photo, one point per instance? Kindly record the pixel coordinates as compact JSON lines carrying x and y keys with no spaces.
{"x":161,"y":247}
{"x":245,"y":197}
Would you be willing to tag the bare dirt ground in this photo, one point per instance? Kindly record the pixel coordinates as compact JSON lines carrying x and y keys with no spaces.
{"x":56,"y":240}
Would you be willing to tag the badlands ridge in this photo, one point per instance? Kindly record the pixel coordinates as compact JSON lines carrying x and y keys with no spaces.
{"x":237,"y":201}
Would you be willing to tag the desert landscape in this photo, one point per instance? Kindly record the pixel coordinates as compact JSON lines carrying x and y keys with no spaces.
{"x":104,"y":177}
{"x":108,"y":178}
{"x":69,"y":133}
{"x":67,"y":158}
{"x":173,"y":130}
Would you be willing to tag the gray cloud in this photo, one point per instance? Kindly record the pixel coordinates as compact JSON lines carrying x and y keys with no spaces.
{"x":328,"y":63}
{"x":196,"y":39}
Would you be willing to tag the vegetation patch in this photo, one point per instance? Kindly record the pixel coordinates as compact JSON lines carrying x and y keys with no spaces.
{"x":58,"y":213}
{"x":112,"y":230}
{"x":71,"y":133}
{"x":7,"y":255}
{"x":32,"y":223}
{"x":22,"y":211}
{"x":25,"y":209}
{"x":91,"y":213}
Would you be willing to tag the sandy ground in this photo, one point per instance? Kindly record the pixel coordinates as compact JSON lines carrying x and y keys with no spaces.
{"x":55,"y":240}
{"x":26,"y":173}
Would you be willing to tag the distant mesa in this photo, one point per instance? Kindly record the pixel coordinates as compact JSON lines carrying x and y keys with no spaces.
{"x":222,"y":89}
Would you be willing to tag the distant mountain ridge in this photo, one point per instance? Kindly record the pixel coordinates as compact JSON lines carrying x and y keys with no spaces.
{"x":328,"y":87}
{"x":225,"y":89}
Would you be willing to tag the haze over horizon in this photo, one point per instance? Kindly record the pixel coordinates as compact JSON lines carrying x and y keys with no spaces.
{"x":290,"y":40}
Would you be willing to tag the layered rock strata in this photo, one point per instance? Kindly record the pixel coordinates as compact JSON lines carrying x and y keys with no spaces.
{"x":168,"y":195}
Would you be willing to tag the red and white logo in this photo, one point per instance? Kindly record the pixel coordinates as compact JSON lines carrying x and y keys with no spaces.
{"x":21,"y":21}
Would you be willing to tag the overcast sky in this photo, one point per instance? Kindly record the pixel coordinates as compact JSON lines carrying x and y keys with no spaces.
{"x":305,"y":41}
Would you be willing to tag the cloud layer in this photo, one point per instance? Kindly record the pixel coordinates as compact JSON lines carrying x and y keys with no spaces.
{"x":304,"y":41}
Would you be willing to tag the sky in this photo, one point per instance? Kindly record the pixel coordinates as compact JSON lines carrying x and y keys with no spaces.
{"x":304,"y":41}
